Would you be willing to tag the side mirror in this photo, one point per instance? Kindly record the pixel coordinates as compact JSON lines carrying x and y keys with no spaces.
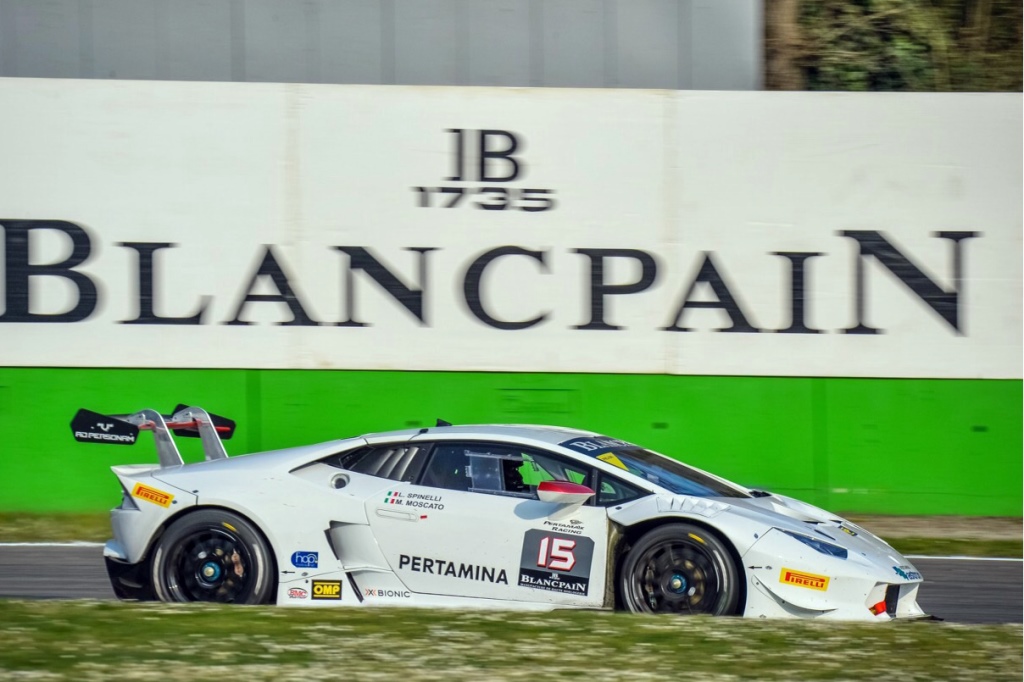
{"x":563,"y":492}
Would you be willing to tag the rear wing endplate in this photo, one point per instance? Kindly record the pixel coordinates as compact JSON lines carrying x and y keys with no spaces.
{"x":123,"y":429}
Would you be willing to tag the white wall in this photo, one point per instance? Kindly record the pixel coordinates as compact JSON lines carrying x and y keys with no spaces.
{"x":222,"y":169}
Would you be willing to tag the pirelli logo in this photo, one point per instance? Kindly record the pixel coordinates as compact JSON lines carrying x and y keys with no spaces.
{"x":144,"y":492}
{"x":809,"y":580}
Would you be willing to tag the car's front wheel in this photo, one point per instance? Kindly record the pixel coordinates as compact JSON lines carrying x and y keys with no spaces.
{"x":212,"y":555}
{"x":682,"y":569}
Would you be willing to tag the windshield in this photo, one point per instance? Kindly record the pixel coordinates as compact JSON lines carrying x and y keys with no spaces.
{"x":664,"y":471}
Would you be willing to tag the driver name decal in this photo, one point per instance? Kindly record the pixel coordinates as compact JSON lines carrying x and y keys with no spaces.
{"x":556,"y":562}
{"x":420,"y":500}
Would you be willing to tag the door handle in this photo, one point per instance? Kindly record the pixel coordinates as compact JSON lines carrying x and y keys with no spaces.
{"x":395,"y":514}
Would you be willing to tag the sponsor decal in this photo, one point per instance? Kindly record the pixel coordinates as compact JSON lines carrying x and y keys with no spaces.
{"x":451,"y":569}
{"x":377,"y":592}
{"x":848,"y":531}
{"x":417,"y":500}
{"x":611,"y":459}
{"x":158,"y":497}
{"x":907,"y":572}
{"x":596,"y":446}
{"x":556,"y":562}
{"x":110,"y":437}
{"x":811,"y":581}
{"x":327,"y":589}
{"x":573,"y":527}
{"x":499,"y":165}
{"x":297,"y":593}
{"x":306,"y":559}
{"x":93,"y":426}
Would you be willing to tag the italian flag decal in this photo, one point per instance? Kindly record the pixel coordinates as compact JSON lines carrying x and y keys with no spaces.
{"x":392,"y":497}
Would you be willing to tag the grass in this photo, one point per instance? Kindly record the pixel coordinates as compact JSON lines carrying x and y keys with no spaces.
{"x":87,"y":640}
{"x":26,"y":527}
{"x":19,"y":527}
{"x":955,"y":547}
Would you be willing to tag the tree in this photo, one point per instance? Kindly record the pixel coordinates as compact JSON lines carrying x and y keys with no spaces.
{"x":906,"y":45}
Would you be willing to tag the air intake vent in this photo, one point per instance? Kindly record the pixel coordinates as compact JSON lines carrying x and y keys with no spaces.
{"x":892,"y":597}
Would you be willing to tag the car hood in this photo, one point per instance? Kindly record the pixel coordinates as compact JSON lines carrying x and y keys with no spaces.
{"x":746,"y":519}
{"x":788,"y":514}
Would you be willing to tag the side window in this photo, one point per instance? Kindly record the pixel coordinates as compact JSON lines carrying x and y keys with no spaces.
{"x":611,"y":490}
{"x":543,"y":467}
{"x":395,"y":462}
{"x":497,"y":469}
{"x":448,"y":468}
{"x":479,"y":468}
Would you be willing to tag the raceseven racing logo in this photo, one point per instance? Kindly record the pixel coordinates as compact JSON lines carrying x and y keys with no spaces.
{"x":144,"y":492}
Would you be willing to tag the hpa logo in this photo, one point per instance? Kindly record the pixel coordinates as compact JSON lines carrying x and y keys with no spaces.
{"x":306,"y":559}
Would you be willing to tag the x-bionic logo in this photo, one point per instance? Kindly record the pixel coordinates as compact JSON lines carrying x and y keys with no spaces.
{"x":377,"y":592}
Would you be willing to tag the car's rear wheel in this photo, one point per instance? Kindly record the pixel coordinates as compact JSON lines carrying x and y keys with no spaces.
{"x":212,"y":555}
{"x":682,"y":569}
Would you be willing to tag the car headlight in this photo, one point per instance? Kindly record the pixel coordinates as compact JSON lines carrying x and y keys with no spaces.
{"x":819,"y":545}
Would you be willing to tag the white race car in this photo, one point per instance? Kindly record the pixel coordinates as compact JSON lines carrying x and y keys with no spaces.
{"x":503,"y":516}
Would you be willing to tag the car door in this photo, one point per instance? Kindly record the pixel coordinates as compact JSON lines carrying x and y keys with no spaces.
{"x":472,"y":526}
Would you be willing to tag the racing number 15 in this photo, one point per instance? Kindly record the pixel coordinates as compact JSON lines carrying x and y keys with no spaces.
{"x":556,"y":554}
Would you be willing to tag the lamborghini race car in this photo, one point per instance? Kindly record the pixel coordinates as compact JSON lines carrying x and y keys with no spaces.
{"x":501,"y":516}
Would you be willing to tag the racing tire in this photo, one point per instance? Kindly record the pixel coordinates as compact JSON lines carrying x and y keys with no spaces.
{"x":680,"y":569}
{"x":213,"y":555}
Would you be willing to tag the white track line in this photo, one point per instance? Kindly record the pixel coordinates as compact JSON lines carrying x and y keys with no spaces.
{"x":960,"y":558}
{"x":51,"y":544}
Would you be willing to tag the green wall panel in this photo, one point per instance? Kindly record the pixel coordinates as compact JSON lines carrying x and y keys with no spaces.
{"x":43,"y":468}
{"x":853,"y":445}
{"x":924,"y":446}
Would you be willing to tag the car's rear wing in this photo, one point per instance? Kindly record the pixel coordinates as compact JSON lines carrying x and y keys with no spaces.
{"x":123,"y":429}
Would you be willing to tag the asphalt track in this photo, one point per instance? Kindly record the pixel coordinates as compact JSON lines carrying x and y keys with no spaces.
{"x":955,"y":589}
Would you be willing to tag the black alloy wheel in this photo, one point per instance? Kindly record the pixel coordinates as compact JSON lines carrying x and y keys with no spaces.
{"x":681,"y":569}
{"x":212,"y":556}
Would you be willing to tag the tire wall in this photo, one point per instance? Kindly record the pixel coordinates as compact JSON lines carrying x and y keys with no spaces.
{"x":819,"y":294}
